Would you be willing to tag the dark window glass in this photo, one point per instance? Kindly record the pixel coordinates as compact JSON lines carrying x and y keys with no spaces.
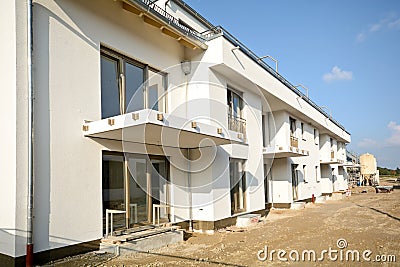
{"x":134,"y":88}
{"x":109,"y":88}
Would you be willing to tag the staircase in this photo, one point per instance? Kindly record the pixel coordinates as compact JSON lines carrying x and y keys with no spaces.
{"x":141,"y":239}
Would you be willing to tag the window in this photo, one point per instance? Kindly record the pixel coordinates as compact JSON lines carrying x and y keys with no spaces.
{"x":123,"y":87}
{"x":235,"y":112}
{"x":331,"y":141}
{"x":263,"y":127}
{"x":235,"y":104}
{"x":238,"y":185}
{"x":292,"y":127}
{"x":316,"y":174}
{"x":316,"y":136}
{"x":304,"y":173}
{"x":302,"y":132}
{"x":295,"y":181}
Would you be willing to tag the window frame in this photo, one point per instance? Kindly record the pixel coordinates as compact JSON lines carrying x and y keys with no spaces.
{"x":304,"y":174}
{"x":292,"y":130}
{"x":122,"y":60}
{"x":230,"y":93}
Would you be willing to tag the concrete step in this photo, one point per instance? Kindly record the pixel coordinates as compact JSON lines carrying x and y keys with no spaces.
{"x":147,"y":240}
{"x":135,"y":235}
{"x":298,"y":205}
{"x":320,"y":199}
{"x":337,"y":195}
{"x":247,"y":220}
{"x":133,"y":230}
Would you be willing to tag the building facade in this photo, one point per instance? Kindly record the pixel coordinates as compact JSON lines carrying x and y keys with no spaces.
{"x":143,"y":106}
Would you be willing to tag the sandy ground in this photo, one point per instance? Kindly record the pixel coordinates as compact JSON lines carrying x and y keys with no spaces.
{"x":367,"y":221}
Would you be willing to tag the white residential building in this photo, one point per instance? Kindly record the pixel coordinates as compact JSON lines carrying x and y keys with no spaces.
{"x":140,"y":105}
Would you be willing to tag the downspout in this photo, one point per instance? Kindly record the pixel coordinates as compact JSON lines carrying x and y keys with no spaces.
{"x":29,"y":240}
{"x":190,"y":192}
{"x":272,"y":188}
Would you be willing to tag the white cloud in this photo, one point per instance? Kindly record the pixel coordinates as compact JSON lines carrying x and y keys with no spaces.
{"x":367,"y":143}
{"x":394,"y":139}
{"x":394,"y":24}
{"x":361,"y":37}
{"x":337,"y":74}
{"x":375,"y":27}
{"x":388,"y":23}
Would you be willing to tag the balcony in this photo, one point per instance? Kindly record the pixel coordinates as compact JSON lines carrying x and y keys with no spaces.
{"x":278,"y":152}
{"x":152,"y":127}
{"x":332,"y":159}
{"x":285,"y":151}
{"x":238,"y":125}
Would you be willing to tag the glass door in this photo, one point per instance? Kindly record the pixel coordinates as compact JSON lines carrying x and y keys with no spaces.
{"x":295,"y":182}
{"x":113,"y":187}
{"x":137,"y":190}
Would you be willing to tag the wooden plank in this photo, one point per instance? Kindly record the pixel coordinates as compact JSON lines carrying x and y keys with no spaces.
{"x":130,"y":8}
{"x":151,"y":21}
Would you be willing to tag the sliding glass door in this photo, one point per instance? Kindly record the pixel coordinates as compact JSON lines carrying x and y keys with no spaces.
{"x":135,"y":183}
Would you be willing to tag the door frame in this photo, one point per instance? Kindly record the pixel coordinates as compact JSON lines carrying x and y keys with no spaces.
{"x":127,"y":183}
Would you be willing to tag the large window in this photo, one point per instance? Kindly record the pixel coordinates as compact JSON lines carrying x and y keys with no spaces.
{"x":236,"y":121}
{"x":238,"y":185}
{"x":128,"y":85}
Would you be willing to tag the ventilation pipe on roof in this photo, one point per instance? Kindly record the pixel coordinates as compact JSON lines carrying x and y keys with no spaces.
{"x":29,"y":240}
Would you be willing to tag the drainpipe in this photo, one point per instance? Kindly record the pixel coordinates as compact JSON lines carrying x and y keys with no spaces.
{"x":29,"y":241}
{"x":272,"y":189}
{"x":190,"y":193}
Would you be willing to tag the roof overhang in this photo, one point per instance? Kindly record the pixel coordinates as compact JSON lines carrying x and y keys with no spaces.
{"x":284,"y":152}
{"x":154,"y":128}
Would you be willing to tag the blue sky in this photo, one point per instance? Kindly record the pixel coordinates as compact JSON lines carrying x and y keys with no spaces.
{"x":346,"y":52}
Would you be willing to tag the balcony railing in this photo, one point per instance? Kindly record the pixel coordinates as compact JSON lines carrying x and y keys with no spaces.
{"x":150,"y":6}
{"x":237,"y":124}
{"x":294,"y":142}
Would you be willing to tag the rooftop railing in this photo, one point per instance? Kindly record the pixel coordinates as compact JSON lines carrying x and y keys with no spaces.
{"x":156,"y":10}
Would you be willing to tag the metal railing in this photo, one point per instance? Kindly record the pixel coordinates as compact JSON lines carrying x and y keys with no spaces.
{"x":294,"y":141}
{"x":151,"y":7}
{"x":236,"y":124}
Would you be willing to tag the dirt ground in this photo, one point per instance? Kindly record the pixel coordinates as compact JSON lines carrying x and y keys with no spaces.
{"x":367,"y":221}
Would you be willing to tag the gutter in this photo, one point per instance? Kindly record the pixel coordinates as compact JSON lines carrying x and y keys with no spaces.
{"x":29,"y":240}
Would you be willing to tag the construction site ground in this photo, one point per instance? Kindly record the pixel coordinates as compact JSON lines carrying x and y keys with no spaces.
{"x":366,"y":221}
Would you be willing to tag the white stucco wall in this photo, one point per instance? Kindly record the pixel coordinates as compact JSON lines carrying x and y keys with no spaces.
{"x":67,"y":78}
{"x":8,"y":115}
